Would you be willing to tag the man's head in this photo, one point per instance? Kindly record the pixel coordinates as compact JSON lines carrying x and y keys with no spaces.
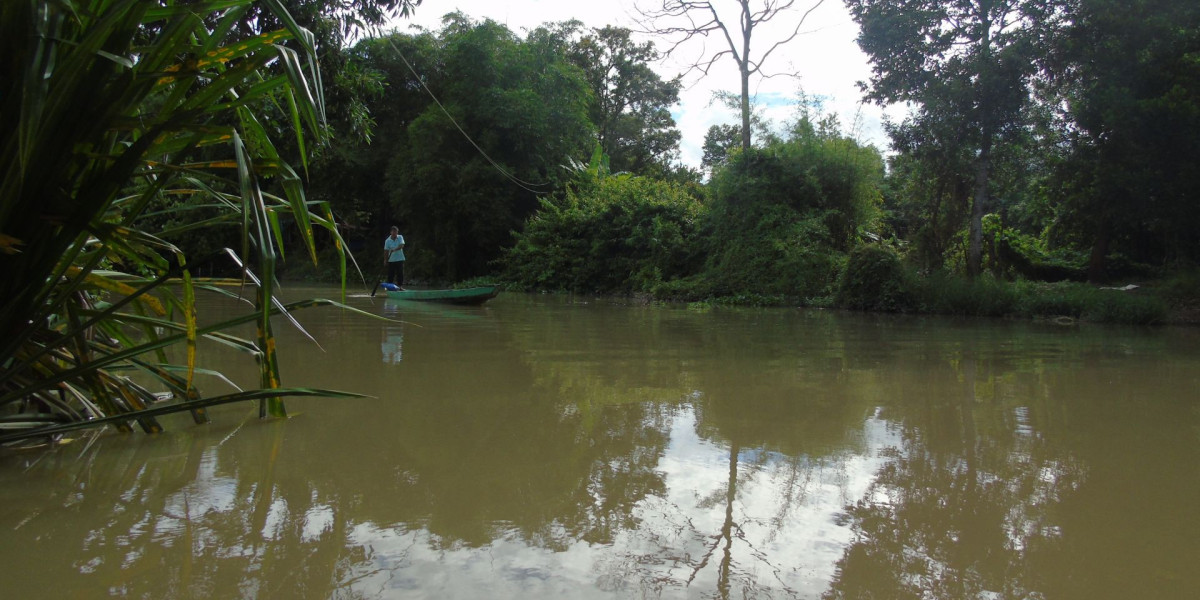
{"x":395,"y":230}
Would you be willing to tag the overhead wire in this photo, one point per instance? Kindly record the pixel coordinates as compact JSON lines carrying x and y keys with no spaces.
{"x":525,"y":185}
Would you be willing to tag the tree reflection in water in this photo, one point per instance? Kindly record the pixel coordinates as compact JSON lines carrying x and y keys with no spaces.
{"x":741,"y":454}
{"x":954,"y":514}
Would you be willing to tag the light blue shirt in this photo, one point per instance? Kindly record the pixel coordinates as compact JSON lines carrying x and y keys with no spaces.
{"x":394,"y":248}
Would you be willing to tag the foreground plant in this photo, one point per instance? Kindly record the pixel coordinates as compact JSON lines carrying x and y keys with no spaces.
{"x":111,"y":110}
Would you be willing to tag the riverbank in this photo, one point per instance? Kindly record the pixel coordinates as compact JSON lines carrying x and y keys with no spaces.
{"x":1063,"y":302}
{"x":886,"y":286}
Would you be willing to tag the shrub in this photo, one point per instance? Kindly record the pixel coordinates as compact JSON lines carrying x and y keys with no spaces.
{"x":618,"y":235}
{"x":782,"y":217}
{"x":684,"y":289}
{"x":874,"y":280}
{"x":816,"y":174}
{"x":770,"y":250}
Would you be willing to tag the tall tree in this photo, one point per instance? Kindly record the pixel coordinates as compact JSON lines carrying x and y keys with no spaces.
{"x":350,"y":171}
{"x":965,"y":65}
{"x":1128,"y":72}
{"x":931,"y":175}
{"x":472,"y":135}
{"x":682,"y":21}
{"x":718,"y":143}
{"x":631,"y":104}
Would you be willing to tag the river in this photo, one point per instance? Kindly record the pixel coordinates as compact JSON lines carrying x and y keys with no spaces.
{"x":564,"y":447}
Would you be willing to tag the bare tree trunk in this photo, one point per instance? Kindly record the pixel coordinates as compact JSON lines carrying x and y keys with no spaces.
{"x":743,"y":61}
{"x":978,"y":202}
{"x":723,"y":574}
{"x":983,"y":164}
{"x":685,"y":20}
{"x":745,"y":109}
{"x":1099,"y":257}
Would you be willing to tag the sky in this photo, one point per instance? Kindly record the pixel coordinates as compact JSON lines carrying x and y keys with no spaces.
{"x":825,"y":57}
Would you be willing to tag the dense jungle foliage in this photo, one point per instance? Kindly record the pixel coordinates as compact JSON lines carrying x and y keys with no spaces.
{"x":1067,"y":163}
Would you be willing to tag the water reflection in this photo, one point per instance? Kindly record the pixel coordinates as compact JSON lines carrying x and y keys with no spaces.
{"x":238,"y":518}
{"x":955,"y":514}
{"x":544,"y":448}
{"x":392,"y":346}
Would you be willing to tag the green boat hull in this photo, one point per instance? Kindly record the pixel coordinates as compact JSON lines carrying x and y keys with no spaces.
{"x":474,"y":295}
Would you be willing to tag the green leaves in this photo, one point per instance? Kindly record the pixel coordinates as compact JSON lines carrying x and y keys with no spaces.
{"x":30,"y":425}
{"x":1130,"y":76}
{"x":116,"y":107}
{"x":630,"y":103}
{"x":472,"y":127}
{"x":617,"y":234}
{"x":966,"y":66}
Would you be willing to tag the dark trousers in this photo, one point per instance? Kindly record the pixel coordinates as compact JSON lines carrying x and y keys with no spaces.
{"x":395,"y":272}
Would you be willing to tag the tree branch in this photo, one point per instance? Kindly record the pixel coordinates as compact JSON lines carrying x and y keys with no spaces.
{"x":795,"y":33}
{"x":660,"y":22}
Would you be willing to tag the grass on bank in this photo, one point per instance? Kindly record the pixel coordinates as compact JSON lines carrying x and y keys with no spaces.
{"x":875,"y":279}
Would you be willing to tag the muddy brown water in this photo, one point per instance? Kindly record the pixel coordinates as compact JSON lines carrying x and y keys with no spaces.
{"x":556,"y":447}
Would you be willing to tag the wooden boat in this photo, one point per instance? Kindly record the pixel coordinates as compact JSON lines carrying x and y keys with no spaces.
{"x":472,"y":295}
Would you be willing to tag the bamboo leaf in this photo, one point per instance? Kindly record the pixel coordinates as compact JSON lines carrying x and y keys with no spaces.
{"x":276,"y":230}
{"x":294,"y":111}
{"x":198,"y":7}
{"x":308,"y":105}
{"x":295,"y":194}
{"x":201,"y":371}
{"x":126,"y":354}
{"x":158,"y":411}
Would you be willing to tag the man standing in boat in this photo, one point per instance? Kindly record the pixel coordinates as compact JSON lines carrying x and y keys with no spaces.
{"x":393,"y":257}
